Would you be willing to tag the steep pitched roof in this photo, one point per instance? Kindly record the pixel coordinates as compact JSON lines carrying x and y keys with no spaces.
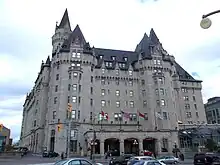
{"x":76,"y":34}
{"x":153,"y":37}
{"x":183,"y":74}
{"x":65,"y":20}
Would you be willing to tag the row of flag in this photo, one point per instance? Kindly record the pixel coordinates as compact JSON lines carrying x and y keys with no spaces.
{"x":127,"y":115}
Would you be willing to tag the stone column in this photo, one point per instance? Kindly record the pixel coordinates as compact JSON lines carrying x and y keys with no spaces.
{"x":159,"y":146}
{"x":102,"y":150}
{"x":140,"y":146}
{"x":170,"y":146}
{"x":122,"y":146}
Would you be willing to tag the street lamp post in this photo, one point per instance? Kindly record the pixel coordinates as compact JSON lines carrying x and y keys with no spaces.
{"x":93,"y":143}
{"x":206,"y":22}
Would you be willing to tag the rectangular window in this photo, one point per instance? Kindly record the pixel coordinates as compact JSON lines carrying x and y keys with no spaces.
{"x":91,"y":90}
{"x":103,"y":81}
{"x":144,"y":103}
{"x":158,"y":62}
{"x":187,"y":106}
{"x":103,"y":92}
{"x":103,"y":71}
{"x":161,"y":81}
{"x":131,"y":93}
{"x":132,"y":104}
{"x":163,"y":102}
{"x":125,"y":59}
{"x":78,"y":55}
{"x":186,"y":98}
{"x":70,"y":75}
{"x":73,"y":114}
{"x":69,"y":87}
{"x":161,"y":91}
{"x":57,"y":77}
{"x":197,"y":114}
{"x":118,"y":117}
{"x":79,"y":99}
{"x":117,"y":72}
{"x":117,"y":93}
{"x":75,"y":74}
{"x":91,"y":102}
{"x":155,"y":62}
{"x":54,"y":114}
{"x":194,"y":98}
{"x":117,"y":104}
{"x":195,"y":106}
{"x":78,"y":114}
{"x":188,"y":114}
{"x":56,"y":88}
{"x":158,"y":102}
{"x":113,"y":57}
{"x":74,"y":87}
{"x":73,"y":54}
{"x":156,"y":92}
{"x":142,"y":82}
{"x":55,"y":100}
{"x":145,"y":116}
{"x":80,"y":88}
{"x":130,"y":72}
{"x":165,"y":116}
{"x":35,"y":123}
{"x":91,"y":79}
{"x":74,"y":99}
{"x":117,"y":82}
{"x":103,"y":103}
{"x":100,"y":57}
{"x":68,"y":99}
{"x":133,"y":117}
{"x":184,"y":90}
{"x":130,"y":83}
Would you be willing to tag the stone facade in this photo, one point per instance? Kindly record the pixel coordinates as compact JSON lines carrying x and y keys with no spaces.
{"x":212,"y":109}
{"x":142,"y":95}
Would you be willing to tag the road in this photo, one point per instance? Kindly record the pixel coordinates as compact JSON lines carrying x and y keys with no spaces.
{"x":38,"y":160}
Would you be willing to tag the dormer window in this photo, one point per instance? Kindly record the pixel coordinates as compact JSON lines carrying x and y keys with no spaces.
{"x":100,"y":56}
{"x":110,"y":64}
{"x":106,"y":64}
{"x":130,"y":72}
{"x":119,"y":64}
{"x":113,"y":57}
{"x":123,"y":65}
{"x":103,"y":71}
{"x":125,"y":59}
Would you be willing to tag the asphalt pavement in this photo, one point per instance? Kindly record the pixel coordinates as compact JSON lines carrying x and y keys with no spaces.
{"x":39,"y":160}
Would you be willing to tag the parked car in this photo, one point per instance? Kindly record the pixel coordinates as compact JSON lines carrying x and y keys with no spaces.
{"x":147,"y":153}
{"x":168,"y":160}
{"x":75,"y":161}
{"x":136,"y":159}
{"x":148,"y":162}
{"x":121,"y":160}
{"x":207,"y":159}
{"x":50,"y":154}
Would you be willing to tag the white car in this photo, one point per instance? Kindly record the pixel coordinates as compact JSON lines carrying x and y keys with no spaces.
{"x":75,"y":161}
{"x":144,"y":158}
{"x":169,"y":160}
{"x":148,"y":162}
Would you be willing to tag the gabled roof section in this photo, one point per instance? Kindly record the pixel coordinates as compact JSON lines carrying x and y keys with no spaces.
{"x":48,"y":60}
{"x":153,"y":37}
{"x":183,"y":74}
{"x":75,"y":35}
{"x":144,"y":47}
{"x":65,"y":20}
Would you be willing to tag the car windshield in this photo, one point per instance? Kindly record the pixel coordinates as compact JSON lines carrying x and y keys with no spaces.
{"x":61,"y":162}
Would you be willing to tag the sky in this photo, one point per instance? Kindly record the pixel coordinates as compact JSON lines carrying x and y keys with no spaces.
{"x":26,"y":28}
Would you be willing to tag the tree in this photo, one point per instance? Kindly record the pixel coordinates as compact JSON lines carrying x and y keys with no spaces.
{"x":211,"y":145}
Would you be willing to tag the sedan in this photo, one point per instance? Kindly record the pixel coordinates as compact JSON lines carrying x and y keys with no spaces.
{"x":148,"y":162}
{"x":76,"y":161}
{"x":169,"y":160}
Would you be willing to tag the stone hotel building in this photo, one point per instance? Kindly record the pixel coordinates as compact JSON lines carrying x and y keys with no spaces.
{"x":129,"y":101}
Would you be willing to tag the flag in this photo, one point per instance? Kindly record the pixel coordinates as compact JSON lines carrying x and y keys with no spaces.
{"x":106,"y":116}
{"x":158,"y":115}
{"x":141,"y":115}
{"x":102,"y":113}
{"x":125,"y":114}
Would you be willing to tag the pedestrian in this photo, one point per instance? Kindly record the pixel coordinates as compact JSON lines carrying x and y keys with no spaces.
{"x":155,"y":155}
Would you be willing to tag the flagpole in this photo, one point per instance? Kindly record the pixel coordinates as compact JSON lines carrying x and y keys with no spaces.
{"x":138,"y":122}
{"x":155,"y":118}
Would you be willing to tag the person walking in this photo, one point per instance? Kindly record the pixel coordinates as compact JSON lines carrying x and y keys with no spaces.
{"x":62,"y":155}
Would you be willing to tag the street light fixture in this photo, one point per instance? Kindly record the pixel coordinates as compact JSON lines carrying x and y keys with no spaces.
{"x":206,"y":22}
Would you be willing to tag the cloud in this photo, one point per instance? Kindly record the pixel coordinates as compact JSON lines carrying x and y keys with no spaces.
{"x":25,"y":39}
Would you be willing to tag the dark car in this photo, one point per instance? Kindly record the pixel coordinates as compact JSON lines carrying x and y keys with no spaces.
{"x":113,"y":153}
{"x":50,"y":154}
{"x":121,"y":160}
{"x":207,"y":159}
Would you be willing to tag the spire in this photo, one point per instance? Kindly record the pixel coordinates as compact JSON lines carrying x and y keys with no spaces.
{"x":48,"y":60}
{"x":65,"y":20}
{"x":153,"y":37}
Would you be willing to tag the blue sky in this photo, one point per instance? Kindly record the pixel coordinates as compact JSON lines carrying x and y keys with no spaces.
{"x":27,"y":26}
